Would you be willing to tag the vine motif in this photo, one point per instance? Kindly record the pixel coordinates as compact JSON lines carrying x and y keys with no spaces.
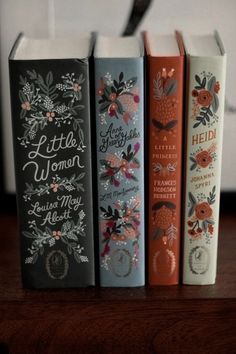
{"x":57,"y":184}
{"x":118,"y":98}
{"x":41,"y":105}
{"x":201,"y":220}
{"x":68,"y":234}
{"x":121,"y":225}
{"x":120,"y":165}
{"x":205,"y":99}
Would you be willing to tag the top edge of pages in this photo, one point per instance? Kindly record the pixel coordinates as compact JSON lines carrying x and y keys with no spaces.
{"x":117,"y":149}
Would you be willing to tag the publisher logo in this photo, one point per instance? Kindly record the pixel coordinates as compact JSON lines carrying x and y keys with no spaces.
{"x":121,"y":262}
{"x":57,"y":264}
{"x":164,"y":263}
{"x":199,"y":260}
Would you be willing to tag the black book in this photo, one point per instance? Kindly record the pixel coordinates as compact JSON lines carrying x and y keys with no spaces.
{"x":50,"y":102}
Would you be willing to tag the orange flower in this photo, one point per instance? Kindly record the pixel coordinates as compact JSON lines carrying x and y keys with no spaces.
{"x":163,"y":218}
{"x":194,"y":93}
{"x":203,"y":211}
{"x":210,"y":229}
{"x":204,"y":98}
{"x":217,"y":87}
{"x":112,"y":96}
{"x":203,"y":158}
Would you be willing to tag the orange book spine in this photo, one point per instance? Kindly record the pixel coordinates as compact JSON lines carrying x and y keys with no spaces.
{"x":166,"y":77}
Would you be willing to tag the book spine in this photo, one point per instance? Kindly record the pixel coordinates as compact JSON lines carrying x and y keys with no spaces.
{"x":206,"y":94}
{"x":165,"y":165}
{"x":51,"y":130}
{"x":120,"y":170}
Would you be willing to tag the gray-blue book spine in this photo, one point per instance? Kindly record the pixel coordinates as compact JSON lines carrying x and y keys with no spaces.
{"x":120,"y":170}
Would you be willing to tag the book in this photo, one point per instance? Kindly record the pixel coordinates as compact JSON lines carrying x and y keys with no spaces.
{"x":119,"y":83}
{"x":165,"y":78}
{"x":206,"y":68}
{"x":50,"y":101}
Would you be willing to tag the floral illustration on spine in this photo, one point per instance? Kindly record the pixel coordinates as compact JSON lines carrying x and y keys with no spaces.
{"x":57,"y":184}
{"x":203,"y":158}
{"x":68,"y":234}
{"x":43,"y":103}
{"x":118,"y":98}
{"x":120,"y":165}
{"x":120,"y":224}
{"x":205,"y":101}
{"x":165,"y":170}
{"x":165,"y":86}
{"x":200,"y":215}
{"x":163,"y":217}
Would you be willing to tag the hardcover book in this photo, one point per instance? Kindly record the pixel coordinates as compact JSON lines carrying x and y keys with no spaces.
{"x":206,"y":67}
{"x":51,"y":128}
{"x":120,"y":160}
{"x":165,"y":56}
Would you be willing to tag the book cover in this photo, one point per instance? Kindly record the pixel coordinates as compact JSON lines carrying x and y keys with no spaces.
{"x":120,"y":169}
{"x":50,"y":103}
{"x":206,"y":94}
{"x":165,"y":77}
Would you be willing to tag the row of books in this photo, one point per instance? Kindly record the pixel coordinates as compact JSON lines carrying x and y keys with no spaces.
{"x":115,"y":107}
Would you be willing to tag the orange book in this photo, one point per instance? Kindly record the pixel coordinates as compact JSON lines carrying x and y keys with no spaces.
{"x":165,"y":78}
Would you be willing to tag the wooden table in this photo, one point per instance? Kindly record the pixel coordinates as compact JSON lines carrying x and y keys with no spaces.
{"x":175,"y":319}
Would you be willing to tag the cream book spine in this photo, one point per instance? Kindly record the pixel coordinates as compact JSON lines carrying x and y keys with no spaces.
{"x":204,"y":132}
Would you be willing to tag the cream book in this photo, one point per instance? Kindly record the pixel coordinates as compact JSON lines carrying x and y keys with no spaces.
{"x":205,"y":92}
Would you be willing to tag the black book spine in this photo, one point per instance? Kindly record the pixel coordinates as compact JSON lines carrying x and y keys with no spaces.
{"x":52,"y":148}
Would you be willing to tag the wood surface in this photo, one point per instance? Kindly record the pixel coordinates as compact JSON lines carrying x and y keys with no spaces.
{"x":163,"y":319}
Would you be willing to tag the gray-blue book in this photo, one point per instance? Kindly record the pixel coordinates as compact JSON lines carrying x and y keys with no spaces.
{"x":119,"y":85}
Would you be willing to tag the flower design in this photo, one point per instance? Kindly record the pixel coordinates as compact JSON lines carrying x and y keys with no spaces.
{"x":163,"y":216}
{"x":69,"y":234}
{"x":58,"y":184}
{"x":40,"y":104}
{"x":203,"y":211}
{"x":164,"y":90}
{"x":121,"y":224}
{"x":203,"y":158}
{"x":205,"y":99}
{"x":118,"y":98}
{"x":200,"y":215}
{"x":56,"y":234}
{"x":118,"y":166}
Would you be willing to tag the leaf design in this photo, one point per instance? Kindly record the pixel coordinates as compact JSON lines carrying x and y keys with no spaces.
{"x":215,"y":102}
{"x":157,"y":234}
{"x":170,"y":87}
{"x":211,"y":84}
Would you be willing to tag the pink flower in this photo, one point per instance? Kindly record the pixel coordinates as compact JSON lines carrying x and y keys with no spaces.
{"x":112,"y":113}
{"x":110,"y":223}
{"x":128,"y":175}
{"x":136,"y":98}
{"x":106,"y":234}
{"x":116,"y":183}
{"x":136,"y":147}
